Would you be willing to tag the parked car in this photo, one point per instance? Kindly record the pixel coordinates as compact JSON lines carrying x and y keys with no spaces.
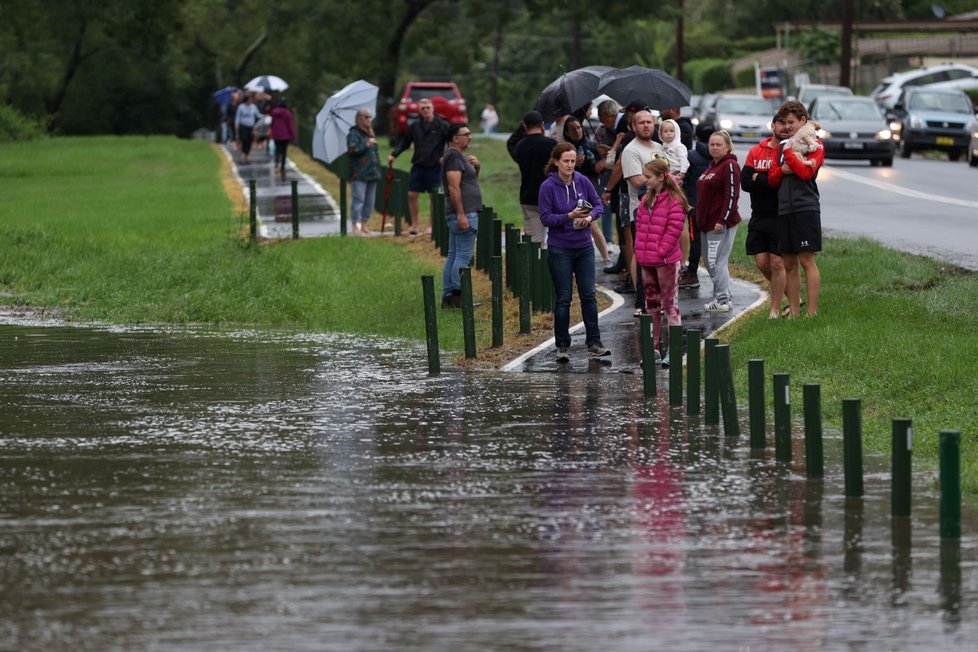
{"x":961,"y":83}
{"x":701,"y":110}
{"x":808,"y":92}
{"x":745,"y":117}
{"x":853,"y":128}
{"x":888,"y":91}
{"x":445,"y":96}
{"x":931,"y":118}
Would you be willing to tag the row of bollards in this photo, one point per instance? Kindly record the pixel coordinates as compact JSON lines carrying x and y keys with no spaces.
{"x":720,"y":400}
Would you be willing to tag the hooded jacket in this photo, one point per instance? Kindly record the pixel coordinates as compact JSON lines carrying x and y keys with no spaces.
{"x":797,"y":192}
{"x":557,"y":200}
{"x":657,"y":231}
{"x":283,"y":125}
{"x":717,"y":194}
{"x":761,"y":159}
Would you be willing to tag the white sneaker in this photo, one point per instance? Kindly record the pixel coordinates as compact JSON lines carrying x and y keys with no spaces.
{"x":716,"y":306}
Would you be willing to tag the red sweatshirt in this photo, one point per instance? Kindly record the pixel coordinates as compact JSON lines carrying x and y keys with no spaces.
{"x":717,"y":194}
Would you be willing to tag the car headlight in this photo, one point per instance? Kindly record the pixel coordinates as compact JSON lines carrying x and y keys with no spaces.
{"x":695,"y":121}
{"x":823,"y":134}
{"x":884,"y":134}
{"x":916,"y":122}
{"x":726,"y":124}
{"x":895,"y":126}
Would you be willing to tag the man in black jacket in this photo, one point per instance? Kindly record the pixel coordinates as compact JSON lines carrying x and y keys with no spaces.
{"x":532,"y":153}
{"x":428,"y":137}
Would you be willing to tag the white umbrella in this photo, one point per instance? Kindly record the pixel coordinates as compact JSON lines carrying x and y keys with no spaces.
{"x":338,"y":116}
{"x":267,"y":84}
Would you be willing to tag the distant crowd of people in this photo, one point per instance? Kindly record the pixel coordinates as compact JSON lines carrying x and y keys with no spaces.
{"x":257,"y":120}
{"x":668,"y":191}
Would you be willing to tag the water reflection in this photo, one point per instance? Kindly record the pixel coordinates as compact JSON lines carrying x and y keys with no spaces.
{"x":231,"y":490}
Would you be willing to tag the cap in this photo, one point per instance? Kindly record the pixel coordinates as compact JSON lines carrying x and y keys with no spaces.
{"x":532,"y":119}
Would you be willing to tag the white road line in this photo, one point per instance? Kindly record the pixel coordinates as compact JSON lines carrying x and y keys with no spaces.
{"x":889,"y":187}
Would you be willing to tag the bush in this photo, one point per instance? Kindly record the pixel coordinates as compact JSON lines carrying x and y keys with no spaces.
{"x":708,"y":75}
{"x":745,"y":78}
{"x":14,"y":125}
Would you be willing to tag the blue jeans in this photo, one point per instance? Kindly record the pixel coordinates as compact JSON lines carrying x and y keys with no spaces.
{"x":565,"y":264}
{"x":363,"y":194}
{"x":461,"y":244}
{"x":608,"y":224}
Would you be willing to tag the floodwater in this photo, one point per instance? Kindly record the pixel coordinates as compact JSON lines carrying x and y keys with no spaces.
{"x":201,"y":491}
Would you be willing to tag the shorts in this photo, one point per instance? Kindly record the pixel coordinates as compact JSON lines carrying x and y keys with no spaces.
{"x":626,"y":216}
{"x":799,"y":232}
{"x":424,"y":179}
{"x":762,"y":235}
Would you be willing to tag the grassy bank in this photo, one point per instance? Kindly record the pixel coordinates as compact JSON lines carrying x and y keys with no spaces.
{"x":139,"y":230}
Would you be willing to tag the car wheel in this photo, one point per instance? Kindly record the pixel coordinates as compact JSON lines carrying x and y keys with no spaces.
{"x":954,"y":155}
{"x":972,"y":159}
{"x":887,"y":162}
{"x":905,"y":149}
{"x":874,"y":162}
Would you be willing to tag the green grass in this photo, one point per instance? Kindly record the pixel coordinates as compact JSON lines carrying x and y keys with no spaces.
{"x":138,"y":230}
{"x":896,"y":331}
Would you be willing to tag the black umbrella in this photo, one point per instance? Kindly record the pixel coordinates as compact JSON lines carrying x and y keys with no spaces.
{"x":571,"y":91}
{"x":649,"y":87}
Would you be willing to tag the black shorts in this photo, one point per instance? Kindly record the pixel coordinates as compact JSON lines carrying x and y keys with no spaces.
{"x":762,"y":235}
{"x":424,"y":179}
{"x":801,"y":231}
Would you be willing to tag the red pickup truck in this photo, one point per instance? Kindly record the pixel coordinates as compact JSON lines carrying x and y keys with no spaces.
{"x":445,"y":96}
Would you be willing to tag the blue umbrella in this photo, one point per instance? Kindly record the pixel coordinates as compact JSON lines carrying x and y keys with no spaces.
{"x":223,"y":96}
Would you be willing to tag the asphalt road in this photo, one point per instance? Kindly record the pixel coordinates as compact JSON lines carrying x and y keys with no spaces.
{"x":922,"y":206}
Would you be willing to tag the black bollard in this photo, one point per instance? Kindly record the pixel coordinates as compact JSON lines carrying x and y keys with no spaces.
{"x":756,"y":408}
{"x":431,"y":324}
{"x":693,"y":371}
{"x":852,"y":446}
{"x":344,"y":210}
{"x":253,"y":209}
{"x":295,"y":209}
{"x":496,"y":269}
{"x":648,"y":356}
{"x":814,"y":458}
{"x":675,"y":365}
{"x":711,"y":400}
{"x":468,"y":313}
{"x":900,"y":468}
{"x":728,"y":397}
{"x":523,"y":256}
{"x":782,"y":418}
{"x":950,"y":484}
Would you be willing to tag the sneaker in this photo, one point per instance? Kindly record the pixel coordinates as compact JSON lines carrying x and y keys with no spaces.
{"x":624,"y":288}
{"x":665,"y":360}
{"x":563,"y":354}
{"x":614,"y":269}
{"x":598,"y":350}
{"x":689,"y":280}
{"x":716,"y":306}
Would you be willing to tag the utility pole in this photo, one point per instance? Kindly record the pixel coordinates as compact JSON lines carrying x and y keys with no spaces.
{"x":845,"y":64}
{"x":680,"y":47}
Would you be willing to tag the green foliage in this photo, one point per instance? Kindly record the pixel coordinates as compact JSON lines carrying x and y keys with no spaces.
{"x":708,"y":75}
{"x":745,"y":78}
{"x":819,"y":46}
{"x":14,"y":125}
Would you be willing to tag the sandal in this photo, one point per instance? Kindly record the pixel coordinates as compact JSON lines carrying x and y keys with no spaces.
{"x":639,"y":312}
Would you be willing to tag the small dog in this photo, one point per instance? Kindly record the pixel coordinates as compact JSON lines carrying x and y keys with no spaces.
{"x":804,"y":141}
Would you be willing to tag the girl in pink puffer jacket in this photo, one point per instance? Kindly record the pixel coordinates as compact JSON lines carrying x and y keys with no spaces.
{"x":659,"y":223}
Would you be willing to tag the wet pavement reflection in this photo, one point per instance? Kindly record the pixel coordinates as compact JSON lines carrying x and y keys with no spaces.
{"x":199,"y":490}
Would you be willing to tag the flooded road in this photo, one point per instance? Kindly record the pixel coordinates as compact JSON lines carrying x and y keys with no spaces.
{"x":201,"y":491}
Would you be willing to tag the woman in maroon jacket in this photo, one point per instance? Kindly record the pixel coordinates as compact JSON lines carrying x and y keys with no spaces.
{"x":717,"y":195}
{"x":283,"y":132}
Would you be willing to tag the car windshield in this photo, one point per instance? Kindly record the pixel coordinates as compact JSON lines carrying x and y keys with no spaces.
{"x":839,"y":110}
{"x":939,"y":102}
{"x":744,"y":106}
{"x":428,"y":93}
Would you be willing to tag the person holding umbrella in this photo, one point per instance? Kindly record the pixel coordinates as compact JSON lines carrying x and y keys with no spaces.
{"x":361,"y":145}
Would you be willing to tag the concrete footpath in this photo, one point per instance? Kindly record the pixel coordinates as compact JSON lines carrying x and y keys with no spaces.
{"x":319,"y":214}
{"x":620,"y":327}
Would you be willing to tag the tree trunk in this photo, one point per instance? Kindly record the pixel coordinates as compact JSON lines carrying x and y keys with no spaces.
{"x":53,"y":103}
{"x":248,"y":55}
{"x":388,"y":73}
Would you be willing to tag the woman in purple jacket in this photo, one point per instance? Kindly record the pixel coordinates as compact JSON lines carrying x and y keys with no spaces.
{"x":568,"y":204}
{"x":659,"y":224}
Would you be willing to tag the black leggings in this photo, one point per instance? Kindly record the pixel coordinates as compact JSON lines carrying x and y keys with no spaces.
{"x":244,"y":135}
{"x":280,"y":148}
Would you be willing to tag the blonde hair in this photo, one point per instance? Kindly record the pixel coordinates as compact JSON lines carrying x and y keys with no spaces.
{"x":723,"y":133}
{"x":361,"y":113}
{"x":660,"y":168}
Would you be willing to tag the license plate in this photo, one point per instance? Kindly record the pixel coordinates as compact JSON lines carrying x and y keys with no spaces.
{"x":945,"y":140}
{"x":750,"y":134}
{"x":852,"y":145}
